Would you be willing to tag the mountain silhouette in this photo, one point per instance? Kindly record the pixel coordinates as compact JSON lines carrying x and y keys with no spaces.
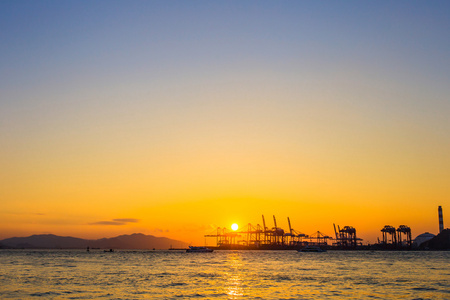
{"x":51,"y":241}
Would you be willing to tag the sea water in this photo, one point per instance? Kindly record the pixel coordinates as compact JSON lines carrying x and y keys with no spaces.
{"x":77,"y":274}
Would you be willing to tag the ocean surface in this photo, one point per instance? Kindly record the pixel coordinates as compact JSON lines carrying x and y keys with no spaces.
{"x":78,"y":274}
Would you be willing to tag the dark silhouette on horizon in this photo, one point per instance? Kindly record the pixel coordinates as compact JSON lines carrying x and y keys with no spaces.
{"x":51,"y":241}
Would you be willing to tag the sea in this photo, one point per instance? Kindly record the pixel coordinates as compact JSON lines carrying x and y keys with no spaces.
{"x":171,"y":274}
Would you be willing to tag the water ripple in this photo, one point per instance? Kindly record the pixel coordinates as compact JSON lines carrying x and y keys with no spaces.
{"x":64,"y":274}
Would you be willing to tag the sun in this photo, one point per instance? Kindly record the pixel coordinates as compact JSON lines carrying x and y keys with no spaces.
{"x":234,"y":226}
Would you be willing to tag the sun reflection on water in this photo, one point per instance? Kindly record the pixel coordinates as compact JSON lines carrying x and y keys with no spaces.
{"x":234,"y":288}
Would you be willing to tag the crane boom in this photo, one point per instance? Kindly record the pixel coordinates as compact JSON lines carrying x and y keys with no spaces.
{"x":290,"y":228}
{"x":335,"y":232}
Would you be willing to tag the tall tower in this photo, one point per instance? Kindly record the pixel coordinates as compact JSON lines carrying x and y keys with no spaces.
{"x":441,"y":219}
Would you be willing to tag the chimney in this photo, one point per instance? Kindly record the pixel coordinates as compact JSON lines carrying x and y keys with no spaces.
{"x":441,"y":219}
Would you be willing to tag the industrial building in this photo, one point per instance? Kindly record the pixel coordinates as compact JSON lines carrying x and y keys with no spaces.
{"x":264,"y":237}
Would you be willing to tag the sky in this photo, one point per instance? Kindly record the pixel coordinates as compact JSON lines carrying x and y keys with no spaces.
{"x":173,"y":118}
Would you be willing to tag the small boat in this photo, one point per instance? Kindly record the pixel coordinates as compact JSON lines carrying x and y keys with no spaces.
{"x":198,"y":249}
{"x":312,"y":249}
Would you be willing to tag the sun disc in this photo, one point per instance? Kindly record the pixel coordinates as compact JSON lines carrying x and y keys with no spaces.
{"x":234,"y":226}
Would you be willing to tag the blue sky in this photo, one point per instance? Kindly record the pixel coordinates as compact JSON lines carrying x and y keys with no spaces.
{"x":59,"y":39}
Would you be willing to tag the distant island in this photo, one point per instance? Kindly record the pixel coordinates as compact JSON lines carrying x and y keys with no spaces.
{"x":51,"y":241}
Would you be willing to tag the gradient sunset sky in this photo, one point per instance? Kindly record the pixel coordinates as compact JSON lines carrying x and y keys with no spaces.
{"x":172,"y":118}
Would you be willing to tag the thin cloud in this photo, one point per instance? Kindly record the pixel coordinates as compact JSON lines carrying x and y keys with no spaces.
{"x":22,"y":213}
{"x":115,"y":223}
{"x":126,"y":220}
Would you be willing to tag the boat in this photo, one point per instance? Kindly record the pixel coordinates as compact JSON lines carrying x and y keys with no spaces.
{"x":312,"y":249}
{"x":198,"y":249}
